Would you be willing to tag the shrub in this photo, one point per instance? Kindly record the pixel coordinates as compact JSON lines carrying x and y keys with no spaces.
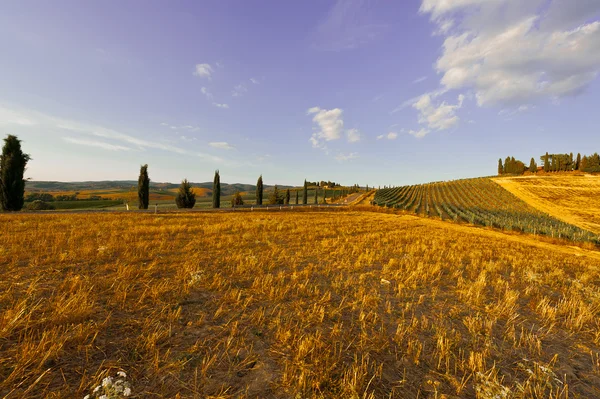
{"x":185,"y":197}
{"x":39,"y":205}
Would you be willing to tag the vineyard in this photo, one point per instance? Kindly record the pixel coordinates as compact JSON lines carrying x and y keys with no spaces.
{"x":478,"y":201}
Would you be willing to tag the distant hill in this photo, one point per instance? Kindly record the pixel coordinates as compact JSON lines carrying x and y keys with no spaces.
{"x":54,"y":186}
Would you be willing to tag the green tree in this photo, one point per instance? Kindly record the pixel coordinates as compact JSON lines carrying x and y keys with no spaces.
{"x":324,"y":196}
{"x":144,"y":188}
{"x":13,"y":163}
{"x":305,"y":193}
{"x":237,"y":199}
{"x":296,"y":197}
{"x":578,"y":162}
{"x":316,"y":195}
{"x":259,"y":191}
{"x":287,"y":196}
{"x":186,"y":198}
{"x":216,"y":193}
{"x":546,"y":163}
{"x":276,"y":198}
{"x":500,"y":167}
{"x":532,"y":166}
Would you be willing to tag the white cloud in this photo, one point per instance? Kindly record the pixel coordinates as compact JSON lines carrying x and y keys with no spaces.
{"x":222,"y":145}
{"x":330,"y":125}
{"x":254,"y":81}
{"x":419,"y":80}
{"x":97,"y":144}
{"x":514,"y":51}
{"x":218,"y":105}
{"x":419,"y":133}
{"x":203,"y":71}
{"x":353,"y":135}
{"x":207,"y":93}
{"x":438,"y":117}
{"x":389,"y":136}
{"x":346,"y":157}
{"x":239,"y":90}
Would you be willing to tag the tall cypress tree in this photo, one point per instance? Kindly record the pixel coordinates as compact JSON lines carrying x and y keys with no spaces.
{"x":305,"y":193}
{"x":546,"y":163}
{"x":259,"y":191}
{"x":144,"y":188}
{"x":500,"y":167}
{"x":324,"y":196}
{"x":12,"y":169}
{"x":296,"y":197}
{"x":287,"y":196}
{"x":578,"y":162}
{"x":532,"y":166}
{"x":216,"y":194}
{"x":316,"y":195}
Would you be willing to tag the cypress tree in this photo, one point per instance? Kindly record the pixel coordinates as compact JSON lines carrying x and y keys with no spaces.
{"x":12,"y":168}
{"x":144,"y":188}
{"x":500,"y":167}
{"x":186,"y":198}
{"x":259,"y":191}
{"x":296,"y":197}
{"x":324,"y":196}
{"x":546,"y":163}
{"x":305,"y":193}
{"x":532,"y":166}
{"x":578,"y":162}
{"x":216,"y":194}
{"x":287,"y":196}
{"x":316,"y":195}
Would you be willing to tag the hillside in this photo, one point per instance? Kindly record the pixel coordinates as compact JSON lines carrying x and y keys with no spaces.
{"x":574,"y":199}
{"x":479,"y":201}
{"x":113,"y":187}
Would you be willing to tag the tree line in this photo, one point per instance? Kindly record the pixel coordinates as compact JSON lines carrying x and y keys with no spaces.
{"x":551,"y":163}
{"x":13,"y":163}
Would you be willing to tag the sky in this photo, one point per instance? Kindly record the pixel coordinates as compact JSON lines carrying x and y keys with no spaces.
{"x":362,"y":92}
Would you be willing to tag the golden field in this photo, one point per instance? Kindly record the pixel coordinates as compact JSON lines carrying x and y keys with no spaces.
{"x":347,"y":304}
{"x":572,"y":198}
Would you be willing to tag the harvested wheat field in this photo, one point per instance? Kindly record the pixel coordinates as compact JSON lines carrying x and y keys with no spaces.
{"x":572,"y":198}
{"x":293,"y":305}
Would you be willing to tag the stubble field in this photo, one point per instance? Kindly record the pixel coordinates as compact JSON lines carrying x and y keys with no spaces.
{"x":293,"y":305}
{"x":572,"y":198}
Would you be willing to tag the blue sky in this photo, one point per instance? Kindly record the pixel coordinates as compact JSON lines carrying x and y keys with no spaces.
{"x":356,"y":91}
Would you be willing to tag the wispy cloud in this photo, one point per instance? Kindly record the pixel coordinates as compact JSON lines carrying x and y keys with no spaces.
{"x":419,"y":80}
{"x":254,"y":81}
{"x":203,"y":71}
{"x":222,"y":145}
{"x":48,"y":122}
{"x":207,"y":93}
{"x":349,"y":24}
{"x":346,"y":157}
{"x":239,"y":90}
{"x":218,"y":105}
{"x":97,"y":144}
